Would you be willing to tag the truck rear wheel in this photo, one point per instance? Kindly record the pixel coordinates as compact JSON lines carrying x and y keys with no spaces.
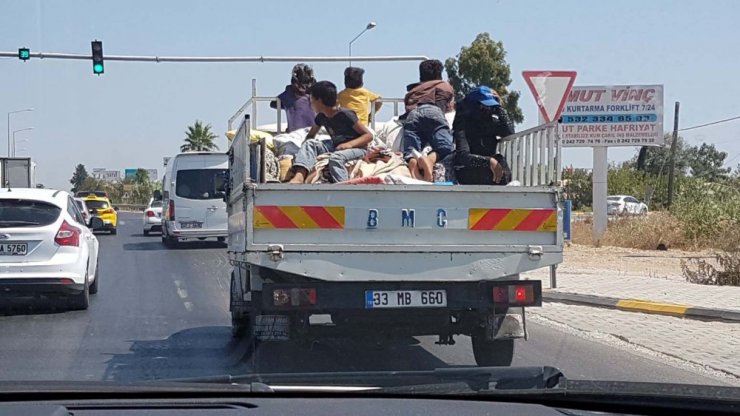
{"x":499,"y":353}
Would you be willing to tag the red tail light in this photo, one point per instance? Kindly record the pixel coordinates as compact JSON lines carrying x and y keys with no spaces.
{"x":150,"y":213}
{"x":520,"y":294}
{"x":68,"y":235}
{"x":171,"y":211}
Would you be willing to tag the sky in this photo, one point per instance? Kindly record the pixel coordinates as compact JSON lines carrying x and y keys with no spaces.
{"x":137,"y":113}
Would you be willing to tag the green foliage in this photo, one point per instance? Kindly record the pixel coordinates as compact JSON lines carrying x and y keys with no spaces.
{"x":78,"y":177}
{"x":484,"y":63}
{"x":706,"y":162}
{"x":577,"y":185}
{"x":199,"y":138}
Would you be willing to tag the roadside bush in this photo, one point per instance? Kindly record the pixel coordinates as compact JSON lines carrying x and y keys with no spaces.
{"x":725,"y":273}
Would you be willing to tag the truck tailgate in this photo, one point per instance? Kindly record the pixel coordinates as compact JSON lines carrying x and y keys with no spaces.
{"x":379,"y":232}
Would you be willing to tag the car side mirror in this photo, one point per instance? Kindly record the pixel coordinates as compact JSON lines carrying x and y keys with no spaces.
{"x":96,"y":223}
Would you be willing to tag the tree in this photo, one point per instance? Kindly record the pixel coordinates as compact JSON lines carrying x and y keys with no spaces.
{"x":654,"y":159}
{"x":706,"y":162}
{"x":484,"y":63}
{"x":141,"y":177}
{"x":78,"y":178}
{"x":199,"y":138}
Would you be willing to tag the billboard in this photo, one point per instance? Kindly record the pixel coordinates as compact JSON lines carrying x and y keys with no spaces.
{"x":613,"y":115}
{"x":129,"y":173}
{"x":107,"y":175}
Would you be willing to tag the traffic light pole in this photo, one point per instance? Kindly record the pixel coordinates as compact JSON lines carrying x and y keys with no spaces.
{"x":218,"y":59}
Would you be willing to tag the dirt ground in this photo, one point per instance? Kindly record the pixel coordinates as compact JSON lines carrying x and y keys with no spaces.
{"x":617,"y":260}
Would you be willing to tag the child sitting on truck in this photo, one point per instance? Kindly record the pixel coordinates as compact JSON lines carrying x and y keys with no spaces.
{"x":349,"y":137}
{"x":356,"y":97}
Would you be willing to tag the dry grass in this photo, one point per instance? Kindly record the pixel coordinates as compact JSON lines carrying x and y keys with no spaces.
{"x":644,"y":233}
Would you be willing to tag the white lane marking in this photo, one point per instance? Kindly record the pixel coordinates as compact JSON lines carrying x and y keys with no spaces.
{"x":183,"y":294}
{"x":121,"y":222}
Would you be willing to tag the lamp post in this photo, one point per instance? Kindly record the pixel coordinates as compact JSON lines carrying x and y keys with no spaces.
{"x":9,"y":114}
{"x":368,"y":27}
{"x":14,"y":141}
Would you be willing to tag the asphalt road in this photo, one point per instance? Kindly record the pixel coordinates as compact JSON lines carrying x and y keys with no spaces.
{"x":164,"y":314}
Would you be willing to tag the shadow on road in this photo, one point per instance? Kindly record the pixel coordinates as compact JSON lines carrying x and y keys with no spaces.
{"x":157,"y":245}
{"x":33,"y":306}
{"x":211,"y":351}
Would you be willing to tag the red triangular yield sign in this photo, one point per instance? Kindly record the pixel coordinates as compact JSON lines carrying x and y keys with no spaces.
{"x":550,"y":90}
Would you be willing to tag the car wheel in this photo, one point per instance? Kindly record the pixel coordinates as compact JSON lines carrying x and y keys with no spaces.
{"x":146,"y":233}
{"x":81,"y":301}
{"x":114,"y":231}
{"x":94,"y":286}
{"x":499,"y":353}
{"x":643,"y":211}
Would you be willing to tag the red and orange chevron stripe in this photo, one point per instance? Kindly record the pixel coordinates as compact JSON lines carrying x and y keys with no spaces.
{"x":298,"y":217}
{"x":506,"y":219}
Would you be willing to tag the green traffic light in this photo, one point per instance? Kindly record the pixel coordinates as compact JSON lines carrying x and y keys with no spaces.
{"x":24,"y":54}
{"x":98,"y":68}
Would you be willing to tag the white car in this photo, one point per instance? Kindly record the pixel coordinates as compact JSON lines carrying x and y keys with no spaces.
{"x":153,"y":217}
{"x":193,"y":197}
{"x":84,"y":210}
{"x":625,"y":205}
{"x":46,"y":248}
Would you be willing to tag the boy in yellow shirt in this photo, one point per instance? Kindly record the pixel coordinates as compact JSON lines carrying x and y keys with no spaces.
{"x":357,"y":98}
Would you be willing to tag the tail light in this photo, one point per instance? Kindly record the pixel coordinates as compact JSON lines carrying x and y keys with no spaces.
{"x":294,"y":297}
{"x":68,"y":235}
{"x":517,"y":294}
{"x":150,"y":213}
{"x":171,"y":211}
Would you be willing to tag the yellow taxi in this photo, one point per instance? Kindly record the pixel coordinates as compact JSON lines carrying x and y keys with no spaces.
{"x":100,"y":206}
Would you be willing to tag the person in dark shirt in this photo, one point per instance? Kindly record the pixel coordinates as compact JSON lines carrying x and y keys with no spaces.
{"x":424,"y":122}
{"x":349,"y":137}
{"x":479,"y":122}
{"x":294,"y":100}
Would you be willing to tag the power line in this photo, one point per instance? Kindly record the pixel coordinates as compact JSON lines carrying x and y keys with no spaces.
{"x":710,"y":124}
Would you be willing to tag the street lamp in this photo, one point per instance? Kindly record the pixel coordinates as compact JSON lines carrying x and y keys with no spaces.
{"x":9,"y":114}
{"x":368,"y":27}
{"x":24,"y":140}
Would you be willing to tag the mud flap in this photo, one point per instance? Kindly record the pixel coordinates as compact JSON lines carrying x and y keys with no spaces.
{"x":511,"y":325}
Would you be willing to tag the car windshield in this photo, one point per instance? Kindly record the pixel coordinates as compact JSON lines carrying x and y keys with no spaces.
{"x":200,"y":183}
{"x":94,"y":204}
{"x":27,"y":213}
{"x":285,"y":192}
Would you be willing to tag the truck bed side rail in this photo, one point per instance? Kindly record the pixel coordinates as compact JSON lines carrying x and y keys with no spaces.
{"x":534,"y":155}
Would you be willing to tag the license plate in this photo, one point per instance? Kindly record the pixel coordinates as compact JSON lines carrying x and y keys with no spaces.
{"x":13,"y":249}
{"x":376,"y":299}
{"x":191,"y":224}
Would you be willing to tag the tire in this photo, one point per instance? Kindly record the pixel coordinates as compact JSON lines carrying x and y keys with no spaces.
{"x":643,"y":212}
{"x":95,"y":284}
{"x":498,"y":353}
{"x":81,"y":301}
{"x":114,"y":231}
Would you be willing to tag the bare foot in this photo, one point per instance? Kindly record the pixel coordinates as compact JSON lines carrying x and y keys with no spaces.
{"x":299,"y":176}
{"x":497,"y":169}
{"x":426,"y":165}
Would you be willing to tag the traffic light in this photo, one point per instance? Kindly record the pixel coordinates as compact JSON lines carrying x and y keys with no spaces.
{"x":24,"y":54}
{"x":97,"y":57}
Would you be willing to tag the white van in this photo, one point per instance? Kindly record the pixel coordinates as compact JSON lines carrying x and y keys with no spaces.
{"x":193,"y":191}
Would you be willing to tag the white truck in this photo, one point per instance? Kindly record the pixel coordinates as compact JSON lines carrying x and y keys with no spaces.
{"x":376,"y":261}
{"x":17,"y":172}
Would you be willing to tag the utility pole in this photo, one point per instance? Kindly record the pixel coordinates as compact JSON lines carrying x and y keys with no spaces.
{"x":672,"y":157}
